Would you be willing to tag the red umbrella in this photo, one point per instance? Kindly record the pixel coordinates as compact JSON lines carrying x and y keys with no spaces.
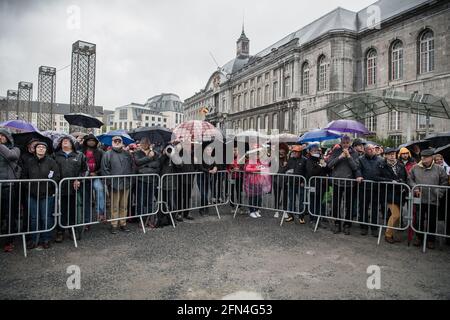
{"x":195,"y":130}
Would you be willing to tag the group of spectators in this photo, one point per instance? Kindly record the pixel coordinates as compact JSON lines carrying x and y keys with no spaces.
{"x":101,"y":196}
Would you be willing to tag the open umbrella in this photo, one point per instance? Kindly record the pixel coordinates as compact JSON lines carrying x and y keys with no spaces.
{"x":438,"y":139}
{"x":195,"y":130}
{"x":319,"y":135}
{"x":83,"y":120}
{"x":445,"y":151}
{"x":287,"y":138}
{"x":157,"y":135}
{"x":330,"y":143}
{"x":106,"y":138}
{"x":350,"y":126}
{"x":423,"y":144}
{"x":19,"y":125}
{"x":22,"y":139}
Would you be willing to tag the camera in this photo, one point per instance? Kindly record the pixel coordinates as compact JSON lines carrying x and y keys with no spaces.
{"x":169,"y":149}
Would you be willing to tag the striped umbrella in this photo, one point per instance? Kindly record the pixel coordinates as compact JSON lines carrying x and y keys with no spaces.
{"x":195,"y":130}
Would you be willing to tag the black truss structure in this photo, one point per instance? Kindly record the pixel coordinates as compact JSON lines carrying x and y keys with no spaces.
{"x":46,"y":97}
{"x":24,"y":97}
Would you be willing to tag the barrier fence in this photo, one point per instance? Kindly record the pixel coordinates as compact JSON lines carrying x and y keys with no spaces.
{"x":29,"y":207}
{"x":430,"y":212}
{"x":283,"y":193}
{"x":177,"y":192}
{"x":85,"y":201}
{"x":373,"y":204}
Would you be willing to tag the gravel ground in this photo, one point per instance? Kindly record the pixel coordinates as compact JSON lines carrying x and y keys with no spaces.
{"x":209,"y":259}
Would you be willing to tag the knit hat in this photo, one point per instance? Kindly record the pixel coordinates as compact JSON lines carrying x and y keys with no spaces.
{"x":41,"y":143}
{"x":404,"y":150}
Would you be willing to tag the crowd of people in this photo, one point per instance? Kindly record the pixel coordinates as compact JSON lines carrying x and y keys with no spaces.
{"x":350,"y":165}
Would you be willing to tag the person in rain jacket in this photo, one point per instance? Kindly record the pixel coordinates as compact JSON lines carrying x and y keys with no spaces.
{"x":9,"y":170}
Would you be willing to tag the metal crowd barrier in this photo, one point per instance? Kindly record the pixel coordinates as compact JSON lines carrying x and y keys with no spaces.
{"x":85,"y":201}
{"x":27,"y":209}
{"x":368,"y":203}
{"x":431,"y":212}
{"x":177,"y":192}
{"x":284,"y":193}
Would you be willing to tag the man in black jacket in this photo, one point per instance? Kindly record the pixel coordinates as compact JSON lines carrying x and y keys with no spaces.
{"x":94,"y":157}
{"x":343,"y":164}
{"x":41,"y":195}
{"x":118,"y":162}
{"x":9,"y":170}
{"x":370,"y":165}
{"x":296,"y":187}
{"x":205,"y":179}
{"x":71,"y":164}
{"x":147,"y":162}
{"x":394,"y":195}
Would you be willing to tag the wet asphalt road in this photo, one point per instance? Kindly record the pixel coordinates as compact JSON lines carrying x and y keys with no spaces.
{"x":210,"y":258}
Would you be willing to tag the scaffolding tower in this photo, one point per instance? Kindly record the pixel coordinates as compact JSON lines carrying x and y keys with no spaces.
{"x":11,"y":105}
{"x":46,"y":97}
{"x":25,"y":95}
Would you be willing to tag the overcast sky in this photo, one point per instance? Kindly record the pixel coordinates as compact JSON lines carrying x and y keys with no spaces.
{"x":144,"y":48}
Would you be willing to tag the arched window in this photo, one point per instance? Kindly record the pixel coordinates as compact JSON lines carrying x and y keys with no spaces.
{"x":305,"y":78}
{"x":322,"y":72}
{"x":397,"y":60}
{"x":371,"y":66}
{"x":426,"y":55}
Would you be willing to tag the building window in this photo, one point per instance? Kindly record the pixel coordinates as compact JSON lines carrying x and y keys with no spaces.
{"x":266,"y":94}
{"x":159,"y":119}
{"x":371,"y":66}
{"x":252,"y":123}
{"x":394,"y":121}
{"x":258,"y":80}
{"x":258,"y":97}
{"x":252,"y":99}
{"x":275,"y":91}
{"x":322,"y":72}
{"x":305,"y":78}
{"x":371,"y":123}
{"x":426,"y":55}
{"x":239,"y":103}
{"x":286,"y":120}
{"x":123,"y":114}
{"x":153,"y":118}
{"x":266,"y":76}
{"x":287,"y":87}
{"x":397,"y":60}
{"x":165,"y":119}
{"x":245,"y":100}
{"x":245,"y":124}
{"x":304,"y":118}
{"x":397,"y":139}
{"x":258,"y":123}
{"x":275,"y":121}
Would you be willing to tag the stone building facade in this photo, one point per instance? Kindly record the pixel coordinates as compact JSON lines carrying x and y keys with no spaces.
{"x":402,"y":45}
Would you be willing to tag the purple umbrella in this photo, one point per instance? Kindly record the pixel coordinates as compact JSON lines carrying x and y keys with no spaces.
{"x":19,"y":125}
{"x":350,"y":126}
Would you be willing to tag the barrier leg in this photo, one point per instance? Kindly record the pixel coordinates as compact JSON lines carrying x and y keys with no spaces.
{"x":425,"y":242}
{"x":74,"y":237}
{"x":317,"y":224}
{"x":171,"y":219}
{"x":379,"y":235}
{"x":235,"y":211}
{"x":24,"y":246}
{"x":217,"y":210}
{"x":142,"y":224}
{"x":282,"y":219}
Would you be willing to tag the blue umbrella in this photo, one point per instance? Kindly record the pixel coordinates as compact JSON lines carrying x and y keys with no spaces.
{"x":19,"y":125}
{"x":106,"y":138}
{"x":319,"y":135}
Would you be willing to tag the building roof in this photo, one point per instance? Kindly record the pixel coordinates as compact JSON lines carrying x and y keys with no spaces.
{"x":338,"y":19}
{"x":165,"y":102}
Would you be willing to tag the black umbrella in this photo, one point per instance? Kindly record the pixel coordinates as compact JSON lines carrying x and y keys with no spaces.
{"x":23,"y":139}
{"x":445,"y":151}
{"x":423,"y":144}
{"x":439,"y":139}
{"x":157,"y":135}
{"x":83,"y":120}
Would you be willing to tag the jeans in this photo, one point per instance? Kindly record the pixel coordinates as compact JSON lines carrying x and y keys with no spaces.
{"x":296,"y":197}
{"x":41,"y":218}
{"x":203,"y":186}
{"x":90,"y":187}
{"x":144,"y":197}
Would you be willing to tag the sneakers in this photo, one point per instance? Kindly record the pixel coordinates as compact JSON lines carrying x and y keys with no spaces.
{"x":301,"y":220}
{"x":389,"y":240}
{"x":59,"y":237}
{"x":253,"y":215}
{"x":113,"y":230}
{"x":289,"y":219}
{"x":258,"y":213}
{"x":347,"y":230}
{"x":276,"y":215}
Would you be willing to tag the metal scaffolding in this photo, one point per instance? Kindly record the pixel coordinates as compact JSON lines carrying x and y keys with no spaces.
{"x":25,"y":95}
{"x":46,"y":97}
{"x":11,"y":105}
{"x":82,"y":88}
